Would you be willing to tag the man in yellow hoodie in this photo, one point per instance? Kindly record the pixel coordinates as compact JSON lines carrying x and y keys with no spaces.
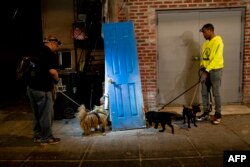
{"x":212,"y":64}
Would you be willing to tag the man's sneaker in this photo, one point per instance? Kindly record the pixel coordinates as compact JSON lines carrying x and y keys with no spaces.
{"x":37,"y":140}
{"x":217,"y":119}
{"x":50,"y":141}
{"x":203,"y":117}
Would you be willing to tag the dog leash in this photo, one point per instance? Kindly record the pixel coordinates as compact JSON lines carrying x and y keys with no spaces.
{"x":180,"y":95}
{"x":68,"y":97}
{"x":194,"y":95}
{"x":210,"y":102}
{"x":200,"y":73}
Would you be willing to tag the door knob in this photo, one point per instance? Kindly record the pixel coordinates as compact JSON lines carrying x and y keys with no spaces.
{"x":110,"y":80}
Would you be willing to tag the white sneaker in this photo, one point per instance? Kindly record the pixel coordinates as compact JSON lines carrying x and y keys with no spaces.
{"x":203,"y":117}
{"x":217,"y":119}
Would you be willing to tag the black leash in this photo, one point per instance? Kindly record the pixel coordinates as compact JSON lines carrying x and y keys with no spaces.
{"x":180,"y":95}
{"x":200,"y":73}
{"x":210,"y":100}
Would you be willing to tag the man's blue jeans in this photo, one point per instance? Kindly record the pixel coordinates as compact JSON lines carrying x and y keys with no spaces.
{"x":43,"y":113}
{"x":215,"y":77}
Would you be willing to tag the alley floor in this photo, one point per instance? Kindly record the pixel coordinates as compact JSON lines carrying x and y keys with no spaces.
{"x":195,"y":147}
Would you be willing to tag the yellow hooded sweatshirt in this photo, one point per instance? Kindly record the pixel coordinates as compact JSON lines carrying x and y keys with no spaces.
{"x":212,"y":54}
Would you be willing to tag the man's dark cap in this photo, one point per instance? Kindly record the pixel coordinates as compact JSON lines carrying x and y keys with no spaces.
{"x":51,"y":38}
{"x":207,"y":26}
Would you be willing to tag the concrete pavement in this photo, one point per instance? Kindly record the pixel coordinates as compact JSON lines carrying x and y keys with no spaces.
{"x":199,"y":146}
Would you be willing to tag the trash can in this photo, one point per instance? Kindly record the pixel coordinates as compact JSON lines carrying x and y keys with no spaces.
{"x":64,"y":106}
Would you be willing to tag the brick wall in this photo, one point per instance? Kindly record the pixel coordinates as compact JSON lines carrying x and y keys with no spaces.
{"x":143,"y":14}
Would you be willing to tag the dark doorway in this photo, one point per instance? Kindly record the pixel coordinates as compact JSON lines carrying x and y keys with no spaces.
{"x":21,"y":33}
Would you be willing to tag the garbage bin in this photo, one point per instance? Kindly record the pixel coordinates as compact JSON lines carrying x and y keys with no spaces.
{"x":64,"y":107}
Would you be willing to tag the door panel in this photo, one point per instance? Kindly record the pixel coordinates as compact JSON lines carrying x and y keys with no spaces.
{"x":124,"y":88}
{"x":179,"y":50}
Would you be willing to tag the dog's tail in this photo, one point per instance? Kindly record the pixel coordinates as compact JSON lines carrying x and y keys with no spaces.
{"x":81,"y":112}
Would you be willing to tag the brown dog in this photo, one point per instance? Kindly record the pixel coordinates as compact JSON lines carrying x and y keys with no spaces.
{"x":92,"y":119}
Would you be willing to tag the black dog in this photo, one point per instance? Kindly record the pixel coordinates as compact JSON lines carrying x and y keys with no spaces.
{"x":160,"y":117}
{"x":190,"y":113}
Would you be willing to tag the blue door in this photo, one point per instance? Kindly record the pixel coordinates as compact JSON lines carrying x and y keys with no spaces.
{"x":122,"y":71}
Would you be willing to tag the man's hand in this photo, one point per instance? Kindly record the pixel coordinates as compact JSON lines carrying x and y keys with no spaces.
{"x":204,"y":76}
{"x":202,"y":69}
